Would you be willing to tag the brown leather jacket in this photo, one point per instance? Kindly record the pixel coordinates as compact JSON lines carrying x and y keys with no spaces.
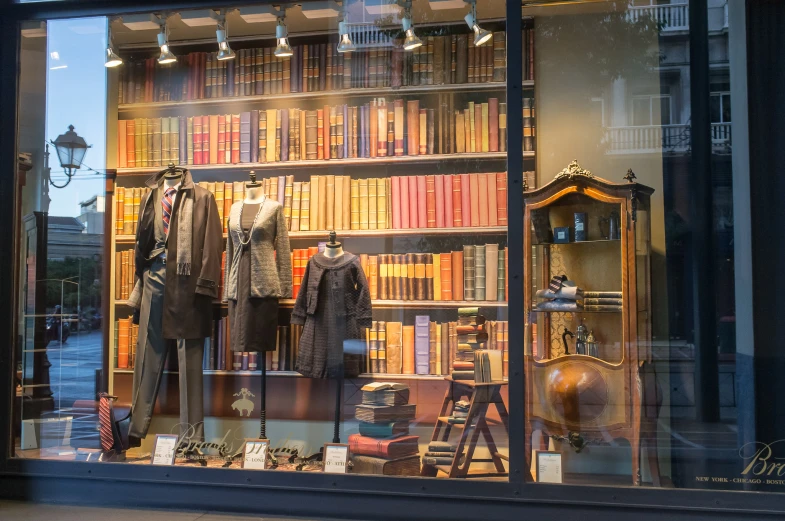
{"x":188,"y":299}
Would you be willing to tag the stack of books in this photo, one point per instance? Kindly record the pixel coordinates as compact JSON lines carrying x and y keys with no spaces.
{"x":448,"y":59}
{"x":471,"y":335}
{"x":377,"y":129}
{"x":440,"y":453}
{"x":384,"y":445}
{"x":459,"y":414}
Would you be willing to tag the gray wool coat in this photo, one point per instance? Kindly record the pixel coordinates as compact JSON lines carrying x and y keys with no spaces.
{"x":271,"y":262}
{"x":333,"y":305}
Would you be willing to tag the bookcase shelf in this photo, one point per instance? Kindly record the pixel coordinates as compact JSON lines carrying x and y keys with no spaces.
{"x":295,"y":374}
{"x":320,"y":95}
{"x":386,"y":304}
{"x":283,"y":165}
{"x":322,"y":234}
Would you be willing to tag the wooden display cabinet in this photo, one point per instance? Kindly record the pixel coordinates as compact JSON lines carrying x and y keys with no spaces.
{"x":597,"y":394}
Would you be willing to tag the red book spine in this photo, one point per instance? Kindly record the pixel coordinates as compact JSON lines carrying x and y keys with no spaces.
{"x":414,"y":221}
{"x":457,"y":201}
{"x":235,"y":138}
{"x":205,"y":140}
{"x":447,"y":195}
{"x":439,"y":193}
{"x":405,"y":220}
{"x":422,"y":205}
{"x":493,"y":212}
{"x":466,"y":201}
{"x":430,"y":201}
{"x":222,"y":139}
{"x":501,"y":198}
{"x":395,"y":187}
{"x":474,"y":200}
{"x":326,"y":132}
{"x":197,"y":140}
{"x":383,"y":448}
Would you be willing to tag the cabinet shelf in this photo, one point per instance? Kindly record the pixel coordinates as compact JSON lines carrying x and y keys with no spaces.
{"x":386,"y":304}
{"x":338,"y":95}
{"x":295,"y":374}
{"x":534,"y":310}
{"x":358,"y":161}
{"x":593,"y":241}
{"x":322,"y":234}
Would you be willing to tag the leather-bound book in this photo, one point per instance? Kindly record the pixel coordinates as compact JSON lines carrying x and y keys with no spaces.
{"x":333,"y":134}
{"x":394,"y":274}
{"x":322,"y":71}
{"x":502,"y":127}
{"x":381,"y":131}
{"x":475,"y":144}
{"x":346,"y":206}
{"x":390,"y":129}
{"x":372,"y":203}
{"x":488,"y":62}
{"x":197,"y":139}
{"x":319,"y":136}
{"x":445,"y":275}
{"x":119,"y":200}
{"x":157,"y":135}
{"x":396,"y":67}
{"x":398,"y":126}
{"x":339,"y":131}
{"x":301,"y":135}
{"x":131,"y":144}
{"x":289,"y":120}
{"x":355,"y":129}
{"x":419,"y":277}
{"x":272,"y":116}
{"x":474,"y":200}
{"x":311,"y":134}
{"x":373,"y":130}
{"x":413,"y":126}
{"x":389,"y":448}
{"x":245,"y":138}
{"x":394,"y":337}
{"x":447,"y":181}
{"x":472,"y":64}
{"x":384,"y":413}
{"x":422,"y":326}
{"x":338,"y":212}
{"x":221,"y":144}
{"x":122,"y":141}
{"x":479,"y":272}
{"x":413,"y":200}
{"x":466,"y":195}
{"x":329,"y":202}
{"x":481,"y":195}
{"x":406,"y":466}
{"x":124,"y":326}
{"x":313,"y":224}
{"x":492,"y":197}
{"x":460,"y":133}
{"x":410,"y":277}
{"x":436,"y":275}
{"x":422,"y":204}
{"x":493,"y":124}
{"x":467,"y":130}
{"x":383,"y":288}
{"x":491,"y":271}
{"x":484,"y":128}
{"x":373,"y":279}
{"x":381,"y":204}
{"x":430,"y":284}
{"x":373,"y":347}
{"x":501,"y":198}
{"x":478,"y":127}
{"x":354,"y":191}
{"x":499,"y":56}
{"x":457,"y":201}
{"x":438,"y":60}
{"x":262,"y":136}
{"x":395,"y":195}
{"x":382,"y":347}
{"x":439,"y":200}
{"x":430,"y":132}
{"x":407,"y":352}
{"x":432,"y":352}
{"x":430,"y":201}
{"x":469,"y":273}
{"x":363,"y":203}
{"x":429,"y":44}
{"x":404,"y":202}
{"x":297,"y":189}
{"x":501,"y":277}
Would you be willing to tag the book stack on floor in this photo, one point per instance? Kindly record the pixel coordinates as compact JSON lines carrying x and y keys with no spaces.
{"x":472,"y":335}
{"x":440,"y":453}
{"x":384,"y":446}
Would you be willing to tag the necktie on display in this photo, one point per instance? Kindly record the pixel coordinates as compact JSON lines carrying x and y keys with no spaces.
{"x":166,"y":206}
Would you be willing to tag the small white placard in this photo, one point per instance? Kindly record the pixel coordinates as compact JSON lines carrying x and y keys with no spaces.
{"x":164,"y":449}
{"x":255,"y":454}
{"x":336,"y":457}
{"x":548,"y":466}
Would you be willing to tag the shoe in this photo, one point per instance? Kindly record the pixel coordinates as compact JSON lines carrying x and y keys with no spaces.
{"x":133,"y":442}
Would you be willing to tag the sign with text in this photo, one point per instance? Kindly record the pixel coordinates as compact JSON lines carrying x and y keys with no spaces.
{"x":336,"y":457}
{"x":548,"y":466}
{"x":164,"y":450}
{"x":255,"y":454}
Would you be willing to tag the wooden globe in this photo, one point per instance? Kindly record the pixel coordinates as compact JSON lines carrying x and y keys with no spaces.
{"x":577,"y":392}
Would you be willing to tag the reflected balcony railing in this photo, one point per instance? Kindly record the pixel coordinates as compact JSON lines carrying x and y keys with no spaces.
{"x":644,"y":139}
{"x":670,"y":17}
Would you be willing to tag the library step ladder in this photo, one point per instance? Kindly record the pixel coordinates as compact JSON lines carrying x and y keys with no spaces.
{"x":481,"y":396}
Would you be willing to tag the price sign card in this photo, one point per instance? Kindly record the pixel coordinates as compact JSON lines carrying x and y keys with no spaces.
{"x":336,"y":457}
{"x":164,"y":450}
{"x":255,"y":454}
{"x":548,"y":466}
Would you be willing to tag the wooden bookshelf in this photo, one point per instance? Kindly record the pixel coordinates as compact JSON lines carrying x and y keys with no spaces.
{"x":295,"y":374}
{"x":343,"y":94}
{"x":402,"y":232}
{"x":386,"y":304}
{"x":359,"y":161}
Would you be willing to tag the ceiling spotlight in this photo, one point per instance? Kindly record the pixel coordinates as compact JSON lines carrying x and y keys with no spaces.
{"x":224,"y":51}
{"x":163,"y":41}
{"x":346,"y":44}
{"x":283,"y":49}
{"x":480,"y":35}
{"x":411,"y":42}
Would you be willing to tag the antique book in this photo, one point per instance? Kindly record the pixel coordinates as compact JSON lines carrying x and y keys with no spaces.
{"x":384,"y":430}
{"x":479,"y":272}
{"x":346,"y":203}
{"x":388,"y":448}
{"x":456,"y":258}
{"x":433,"y":358}
{"x":430,"y":201}
{"x":390,"y":129}
{"x":287,"y":134}
{"x":422,"y":344}
{"x":329,"y":202}
{"x":363,"y":203}
{"x":419,"y":277}
{"x":385,"y":393}
{"x":413,"y":126}
{"x":404,"y":204}
{"x":381,"y":204}
{"x":502,"y":127}
{"x":435,"y":263}
{"x":395,"y":202}
{"x":501,"y":198}
{"x":314,"y":203}
{"x":406,"y":466}
{"x":305,"y":207}
{"x":373,"y":279}
{"x":422,"y":201}
{"x":447,"y":198}
{"x":422,"y":132}
{"x":409,"y":197}
{"x":456,"y":200}
{"x":445,"y":275}
{"x":354,"y":190}
{"x":492,"y":199}
{"x":501,"y":277}
{"x":372,"y":203}
{"x":338,"y":223}
{"x":319,"y":135}
{"x":373,"y":346}
{"x":481,"y":195}
{"x":394,"y":335}
{"x":398,"y":126}
{"x":466,"y":196}
{"x":236,"y":138}
{"x":461,"y":59}
{"x":408,"y":350}
{"x":429,"y":282}
{"x":270,"y":117}
{"x":472,"y":64}
{"x":474,"y":199}
{"x":157,"y":137}
{"x":469,"y":273}
{"x":384,"y":413}
{"x":384,"y":290}
{"x":311,"y":135}
{"x":294,"y":224}
{"x":484,"y":129}
{"x":373,"y":129}
{"x":491,"y":271}
{"x":287,"y":199}
{"x":123,"y":327}
{"x":431,"y":132}
{"x":340,"y":131}
{"x":122,"y":142}
{"x":381,"y":131}
{"x":245,"y":138}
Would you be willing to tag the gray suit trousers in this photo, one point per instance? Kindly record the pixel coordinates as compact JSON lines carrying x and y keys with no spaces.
{"x":151,"y":357}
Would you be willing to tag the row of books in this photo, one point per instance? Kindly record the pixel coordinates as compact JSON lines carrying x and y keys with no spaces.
{"x":127,"y":334}
{"x":446,"y":59}
{"x":427,"y":347}
{"x":334,"y":202}
{"x":376,"y":129}
{"x":219,"y":355}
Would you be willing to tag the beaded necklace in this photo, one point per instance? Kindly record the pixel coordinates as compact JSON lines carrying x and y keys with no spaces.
{"x":253,"y":225}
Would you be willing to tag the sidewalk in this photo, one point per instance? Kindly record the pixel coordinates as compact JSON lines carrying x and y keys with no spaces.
{"x":18,"y":511}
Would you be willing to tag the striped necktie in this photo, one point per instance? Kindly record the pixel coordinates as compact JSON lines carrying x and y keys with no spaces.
{"x":105,"y":423}
{"x":166,"y":206}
